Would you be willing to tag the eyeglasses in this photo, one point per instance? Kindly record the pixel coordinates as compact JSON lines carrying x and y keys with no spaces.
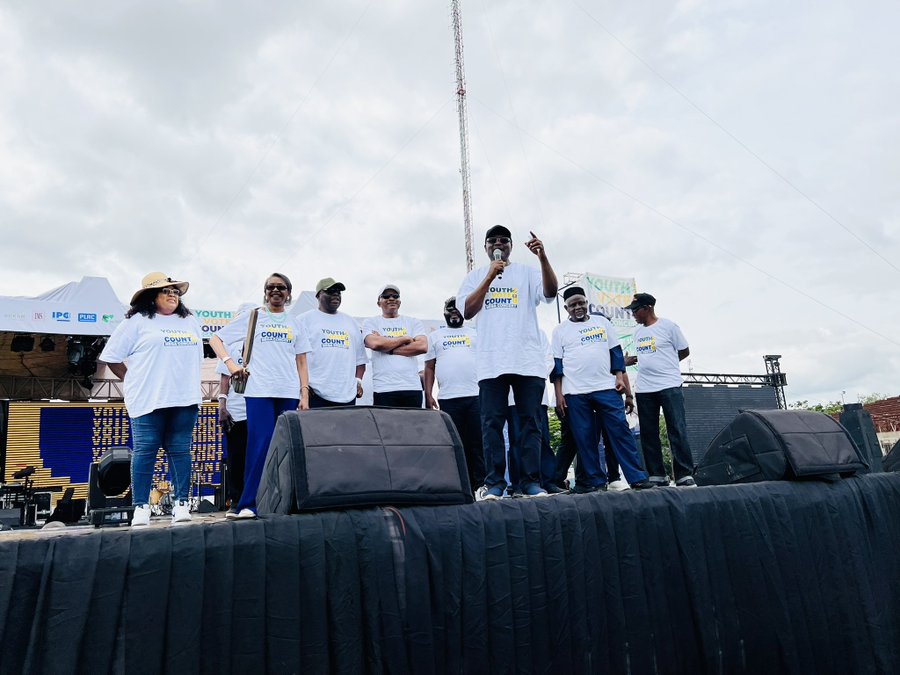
{"x":390,"y":296}
{"x":276,"y":287}
{"x":497,"y":240}
{"x":171,"y":291}
{"x":638,"y":309}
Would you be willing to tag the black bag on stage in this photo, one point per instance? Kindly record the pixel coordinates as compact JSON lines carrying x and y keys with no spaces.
{"x":779,"y":445}
{"x":333,"y":458}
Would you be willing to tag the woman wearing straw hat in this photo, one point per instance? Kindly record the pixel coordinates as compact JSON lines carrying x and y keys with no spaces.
{"x":275,"y":373}
{"x":157,"y":352}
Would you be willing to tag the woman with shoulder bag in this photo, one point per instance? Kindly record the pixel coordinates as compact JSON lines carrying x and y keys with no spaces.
{"x":274,"y":376}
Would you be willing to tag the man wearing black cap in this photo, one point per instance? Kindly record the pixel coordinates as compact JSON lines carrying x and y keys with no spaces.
{"x":509,"y":353}
{"x":395,"y":342}
{"x":660,"y":347}
{"x":451,"y":359}
{"x":589,"y":377}
{"x":337,"y":361}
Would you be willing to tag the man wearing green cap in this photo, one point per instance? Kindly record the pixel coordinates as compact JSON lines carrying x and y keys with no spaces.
{"x":338,"y":358}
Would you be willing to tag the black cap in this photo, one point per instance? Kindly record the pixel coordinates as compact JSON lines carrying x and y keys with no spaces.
{"x":498,"y":231}
{"x":450,"y":303}
{"x":641,"y":300}
{"x":573,"y":290}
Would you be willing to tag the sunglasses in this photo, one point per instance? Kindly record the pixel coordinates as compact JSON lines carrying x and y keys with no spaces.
{"x":171,"y":291}
{"x":497,"y":240}
{"x":390,"y":296}
{"x":276,"y":287}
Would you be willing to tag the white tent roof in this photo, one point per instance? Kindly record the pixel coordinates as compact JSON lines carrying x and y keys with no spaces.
{"x":86,"y":307}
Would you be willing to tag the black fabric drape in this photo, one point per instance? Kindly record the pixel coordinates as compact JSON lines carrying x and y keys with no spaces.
{"x":761,"y":578}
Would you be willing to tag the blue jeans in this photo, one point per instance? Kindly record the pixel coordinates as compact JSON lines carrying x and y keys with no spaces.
{"x":261,"y":416}
{"x":606,"y":408}
{"x":672,"y":403}
{"x":494,"y":393}
{"x":168,"y":428}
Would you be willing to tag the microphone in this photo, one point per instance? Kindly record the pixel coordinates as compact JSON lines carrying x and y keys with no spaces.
{"x":498,"y":256}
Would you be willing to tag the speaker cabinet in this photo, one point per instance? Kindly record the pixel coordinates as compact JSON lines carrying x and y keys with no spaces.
{"x":335,"y":458}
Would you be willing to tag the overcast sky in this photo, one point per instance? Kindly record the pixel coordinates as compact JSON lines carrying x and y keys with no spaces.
{"x":738,"y":158}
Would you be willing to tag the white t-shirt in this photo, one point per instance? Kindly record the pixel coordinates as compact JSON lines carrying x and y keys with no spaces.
{"x":337,"y":348}
{"x":273,"y":362}
{"x":657,"y":349}
{"x":392,"y":372}
{"x":584,"y":349}
{"x":509,"y":340}
{"x":163,"y":356}
{"x":235,"y":404}
{"x":454,"y":352}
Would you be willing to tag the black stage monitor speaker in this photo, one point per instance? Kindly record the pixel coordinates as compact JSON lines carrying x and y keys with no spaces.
{"x":892,"y":459}
{"x":334,"y":458}
{"x":779,"y":445}
{"x":858,"y":423}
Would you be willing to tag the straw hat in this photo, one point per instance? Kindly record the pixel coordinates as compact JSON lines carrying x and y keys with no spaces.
{"x":157,"y":280}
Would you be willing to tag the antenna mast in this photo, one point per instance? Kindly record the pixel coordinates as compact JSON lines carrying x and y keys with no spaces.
{"x":463,"y":130}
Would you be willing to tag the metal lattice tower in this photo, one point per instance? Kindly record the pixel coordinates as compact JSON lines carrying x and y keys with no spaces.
{"x":777,"y":379}
{"x":463,"y":131}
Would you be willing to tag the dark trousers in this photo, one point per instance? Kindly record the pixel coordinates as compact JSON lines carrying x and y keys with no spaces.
{"x":584,"y":411}
{"x":466,"y":415}
{"x":528,"y":391}
{"x":411,"y":398}
{"x":316,"y":401}
{"x":262,"y":414}
{"x":548,"y":459}
{"x":235,"y":456}
{"x":672,"y":403}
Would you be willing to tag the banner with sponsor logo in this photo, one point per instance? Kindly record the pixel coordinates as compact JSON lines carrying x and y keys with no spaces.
{"x":86,"y":307}
{"x":609,"y":296}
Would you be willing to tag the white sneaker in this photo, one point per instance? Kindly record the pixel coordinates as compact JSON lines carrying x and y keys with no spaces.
{"x":481,"y":493}
{"x":182,"y":512}
{"x":141,"y":515}
{"x":245,"y":514}
{"x":618,"y":485}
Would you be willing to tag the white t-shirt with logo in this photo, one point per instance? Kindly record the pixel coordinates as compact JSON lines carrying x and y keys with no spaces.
{"x":657,"y":349}
{"x":584,"y":348}
{"x":235,"y":404}
{"x":454,"y":352}
{"x":163,"y":356}
{"x":273,"y":362}
{"x":337,"y":348}
{"x":392,"y":372}
{"x":509,"y":340}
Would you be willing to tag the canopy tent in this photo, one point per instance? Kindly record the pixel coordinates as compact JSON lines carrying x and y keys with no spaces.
{"x":86,"y":307}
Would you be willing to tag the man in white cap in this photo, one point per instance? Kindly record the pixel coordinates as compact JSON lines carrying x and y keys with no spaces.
{"x":395,"y":342}
{"x":337,"y":361}
{"x":504,"y":296}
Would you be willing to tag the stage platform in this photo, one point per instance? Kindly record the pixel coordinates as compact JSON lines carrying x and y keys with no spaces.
{"x":766,"y":578}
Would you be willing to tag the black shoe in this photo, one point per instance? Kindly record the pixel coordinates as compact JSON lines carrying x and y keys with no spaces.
{"x":642,"y":485}
{"x":588,"y":489}
{"x":555,"y":490}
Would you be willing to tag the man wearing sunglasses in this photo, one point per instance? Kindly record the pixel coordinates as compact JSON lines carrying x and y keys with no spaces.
{"x":395,"y":342}
{"x":660,"y":347}
{"x":509,"y":355}
{"x":338,"y":360}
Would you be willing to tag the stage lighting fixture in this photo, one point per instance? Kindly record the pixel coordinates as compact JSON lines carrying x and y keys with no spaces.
{"x":81,"y":356}
{"x":114,"y":471}
{"x":47,"y":344}
{"x":22,"y":343}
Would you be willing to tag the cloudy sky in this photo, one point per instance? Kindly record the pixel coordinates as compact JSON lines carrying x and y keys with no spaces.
{"x":738,"y":158}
